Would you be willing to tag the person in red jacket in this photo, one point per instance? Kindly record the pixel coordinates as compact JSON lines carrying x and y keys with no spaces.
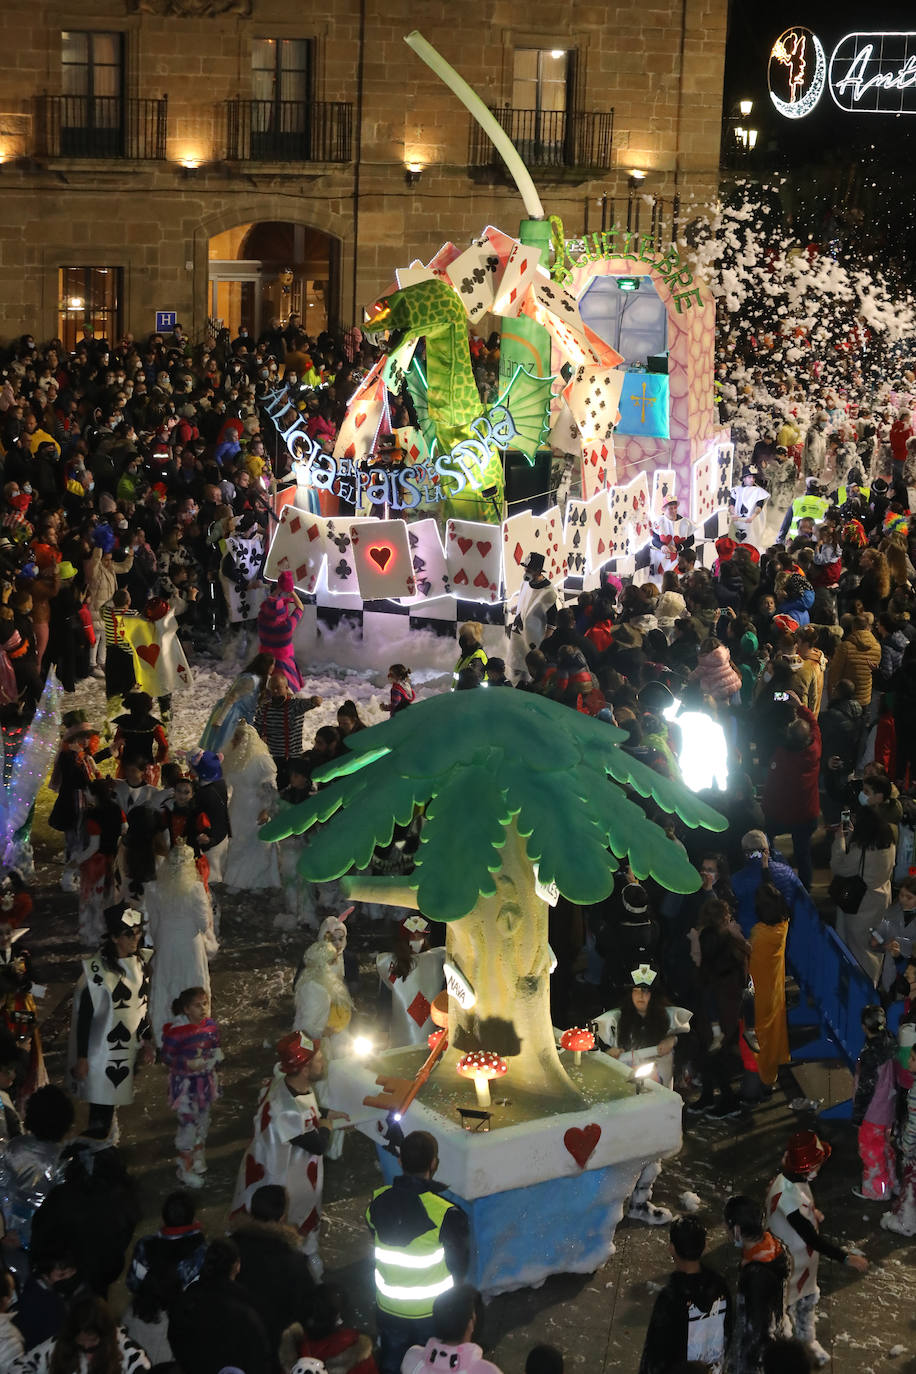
{"x":790,"y":799}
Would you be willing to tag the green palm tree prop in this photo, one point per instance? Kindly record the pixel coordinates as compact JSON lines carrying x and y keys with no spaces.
{"x":515,"y":787}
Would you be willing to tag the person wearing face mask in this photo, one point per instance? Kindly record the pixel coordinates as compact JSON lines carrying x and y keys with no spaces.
{"x":413,"y":973}
{"x":894,"y":936}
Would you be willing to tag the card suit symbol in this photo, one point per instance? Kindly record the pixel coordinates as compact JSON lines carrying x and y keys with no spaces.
{"x":313,"y":532}
{"x":461,"y":578}
{"x":424,"y":587}
{"x":254,"y":1171}
{"x":413,"y":452}
{"x":464,"y":544}
{"x":577,"y":539}
{"x":518,"y":554}
{"x":312,"y":1172}
{"x":119,"y":1035}
{"x":350,"y":451}
{"x":601,"y":546}
{"x":359,"y":418}
{"x":343,"y":569}
{"x":311,"y":1221}
{"x":98,"y":979}
{"x":481,"y":580}
{"x":265,"y":1115}
{"x":381,"y":555}
{"x":117,"y":1073}
{"x":121,"y":996}
{"x":302,"y":573}
{"x":412,"y":539}
{"x":149,"y":653}
{"x":295,"y":525}
{"x":418,"y":1010}
{"x":597,"y":516}
{"x":484,"y":547}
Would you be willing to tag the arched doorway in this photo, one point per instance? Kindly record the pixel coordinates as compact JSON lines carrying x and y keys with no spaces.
{"x":268,"y":270}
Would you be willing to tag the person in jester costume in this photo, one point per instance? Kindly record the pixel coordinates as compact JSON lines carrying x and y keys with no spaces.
{"x":110,"y":1032}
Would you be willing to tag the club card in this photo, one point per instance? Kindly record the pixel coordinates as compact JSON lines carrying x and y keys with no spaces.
{"x":341,"y":571}
{"x":725,"y":457}
{"x":501,"y":243}
{"x":299,"y":546}
{"x":564,"y":433}
{"x":474,"y":556}
{"x":428,"y":559}
{"x":593,"y":396}
{"x":474,"y":276}
{"x":381,"y":552}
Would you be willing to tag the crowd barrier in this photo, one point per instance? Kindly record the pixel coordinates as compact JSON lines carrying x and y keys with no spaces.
{"x":836,"y":988}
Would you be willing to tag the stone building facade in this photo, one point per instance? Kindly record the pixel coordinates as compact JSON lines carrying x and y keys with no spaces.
{"x":237,"y":158}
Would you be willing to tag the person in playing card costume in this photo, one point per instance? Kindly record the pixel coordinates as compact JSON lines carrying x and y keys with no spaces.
{"x":290,"y":1140}
{"x":670,"y":534}
{"x":413,"y":974}
{"x":535,"y":609}
{"x":110,"y":1030}
{"x":747,"y":508}
{"x":277,"y":621}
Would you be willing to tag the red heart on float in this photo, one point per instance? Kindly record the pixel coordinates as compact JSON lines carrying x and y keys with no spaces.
{"x":381,"y":555}
{"x":254,"y":1171}
{"x":484,"y":548}
{"x":580,"y":1141}
{"x":481,"y":580}
{"x":149,"y":653}
{"x":312,"y":1173}
{"x":464,"y":544}
{"x":460,"y":578}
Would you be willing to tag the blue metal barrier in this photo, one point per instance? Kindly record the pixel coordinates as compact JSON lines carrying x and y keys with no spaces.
{"x":837,"y":987}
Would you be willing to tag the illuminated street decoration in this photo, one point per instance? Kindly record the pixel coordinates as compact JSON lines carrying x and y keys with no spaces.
{"x":868,"y":73}
{"x":571,"y":254}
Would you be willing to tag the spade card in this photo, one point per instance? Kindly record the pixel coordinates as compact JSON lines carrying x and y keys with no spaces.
{"x":520,"y":272}
{"x":474,"y":276}
{"x":299,"y":546}
{"x":575,"y":537}
{"x":703,"y":477}
{"x":428,"y":559}
{"x":599,"y":467}
{"x":664,"y":488}
{"x":725,"y":457}
{"x":381,"y":552}
{"x":474,"y":555}
{"x":593,"y":396}
{"x":341,"y":570}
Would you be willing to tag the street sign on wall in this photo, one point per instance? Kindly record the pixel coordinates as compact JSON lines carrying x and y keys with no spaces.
{"x":166,"y":321}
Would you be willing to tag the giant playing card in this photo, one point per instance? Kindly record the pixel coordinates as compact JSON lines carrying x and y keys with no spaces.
{"x":299,"y":546}
{"x":473,"y":554}
{"x":527,"y":533}
{"x":381,"y":552}
{"x":428,"y":559}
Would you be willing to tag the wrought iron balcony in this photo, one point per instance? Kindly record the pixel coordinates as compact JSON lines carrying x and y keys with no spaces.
{"x":101,"y":126}
{"x":289,"y":131}
{"x":549,"y":139}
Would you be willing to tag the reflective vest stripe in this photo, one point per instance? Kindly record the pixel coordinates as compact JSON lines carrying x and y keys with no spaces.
{"x":411,"y":1295}
{"x":400,"y":1259}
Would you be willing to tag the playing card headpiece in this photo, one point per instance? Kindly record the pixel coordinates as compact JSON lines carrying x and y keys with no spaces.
{"x":121,"y":919}
{"x":534,"y":562}
{"x":413,"y":927}
{"x":750,"y":470}
{"x":643,"y":976}
{"x":295,"y":1050}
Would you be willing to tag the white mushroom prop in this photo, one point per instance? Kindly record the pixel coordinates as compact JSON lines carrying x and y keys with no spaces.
{"x":482,"y":1065}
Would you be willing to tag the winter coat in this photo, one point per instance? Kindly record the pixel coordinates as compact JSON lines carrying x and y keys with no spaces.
{"x":38,"y":1360}
{"x":691,"y":1320}
{"x":345,"y":1351}
{"x":274,"y":1274}
{"x":97,"y":1211}
{"x":876,"y":872}
{"x":856,"y":658}
{"x":434,"y":1356}
{"x":841,"y":731}
{"x":760,"y":1306}
{"x":799,"y":608}
{"x":790,"y":792}
{"x":214,"y":1324}
{"x":11,"y":1344}
{"x":716,"y":675}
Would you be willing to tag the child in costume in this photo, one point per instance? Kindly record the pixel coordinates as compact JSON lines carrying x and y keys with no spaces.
{"x":191,"y":1050}
{"x":139,"y":735}
{"x":874,"y":1107}
{"x":402,"y":692}
{"x":645,"y":1028}
{"x":413,"y":973}
{"x":277,"y":621}
{"x":213,"y":800}
{"x":793,"y":1218}
{"x":74,"y":768}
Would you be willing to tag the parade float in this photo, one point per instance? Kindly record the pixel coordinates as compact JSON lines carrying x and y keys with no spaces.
{"x":523,"y":799}
{"x":606,"y":358}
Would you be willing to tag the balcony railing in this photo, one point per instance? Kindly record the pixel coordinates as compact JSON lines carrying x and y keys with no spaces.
{"x":101,"y":126}
{"x":549,"y":139}
{"x":289,"y":131}
{"x":655,"y":217}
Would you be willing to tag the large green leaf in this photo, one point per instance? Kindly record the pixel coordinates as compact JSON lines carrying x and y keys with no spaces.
{"x":567,"y":846}
{"x":460,"y":843}
{"x":649,"y":851}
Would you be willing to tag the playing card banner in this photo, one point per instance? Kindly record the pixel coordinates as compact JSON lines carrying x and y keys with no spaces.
{"x":593,"y":396}
{"x":575,"y":537}
{"x":520,"y":272}
{"x":600,"y":540}
{"x":599,"y":467}
{"x":242,"y":602}
{"x":474,"y":275}
{"x":427,"y":558}
{"x":359,"y":431}
{"x":703,"y":487}
{"x":473,"y":554}
{"x":299,"y":546}
{"x":630,"y":515}
{"x":381,"y":552}
{"x":725,"y":457}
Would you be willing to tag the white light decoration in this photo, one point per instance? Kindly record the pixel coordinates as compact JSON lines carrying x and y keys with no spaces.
{"x":793,"y":50}
{"x":878,"y":62}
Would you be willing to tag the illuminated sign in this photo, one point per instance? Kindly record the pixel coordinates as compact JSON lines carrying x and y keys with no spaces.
{"x":621,"y":243}
{"x":868,"y":73}
{"x":399,"y":486}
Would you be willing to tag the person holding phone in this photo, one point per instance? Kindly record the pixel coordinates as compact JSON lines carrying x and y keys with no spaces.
{"x":864,"y":845}
{"x":791,"y":800}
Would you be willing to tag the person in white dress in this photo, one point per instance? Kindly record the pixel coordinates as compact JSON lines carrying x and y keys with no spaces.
{"x":747,"y":509}
{"x":535,"y":609}
{"x":251,"y":864}
{"x":181,"y":929}
{"x":414,"y":977}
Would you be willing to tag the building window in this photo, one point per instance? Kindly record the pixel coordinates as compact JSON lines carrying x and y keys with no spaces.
{"x":281,"y":90}
{"x":540,"y":98}
{"x":92,"y":74}
{"x":88,"y":298}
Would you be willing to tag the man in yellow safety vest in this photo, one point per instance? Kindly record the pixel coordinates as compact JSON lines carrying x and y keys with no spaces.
{"x":421,"y":1250}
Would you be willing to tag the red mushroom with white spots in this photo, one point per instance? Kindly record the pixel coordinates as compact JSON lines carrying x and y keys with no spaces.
{"x":482,"y":1065}
{"x":577,"y":1039}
